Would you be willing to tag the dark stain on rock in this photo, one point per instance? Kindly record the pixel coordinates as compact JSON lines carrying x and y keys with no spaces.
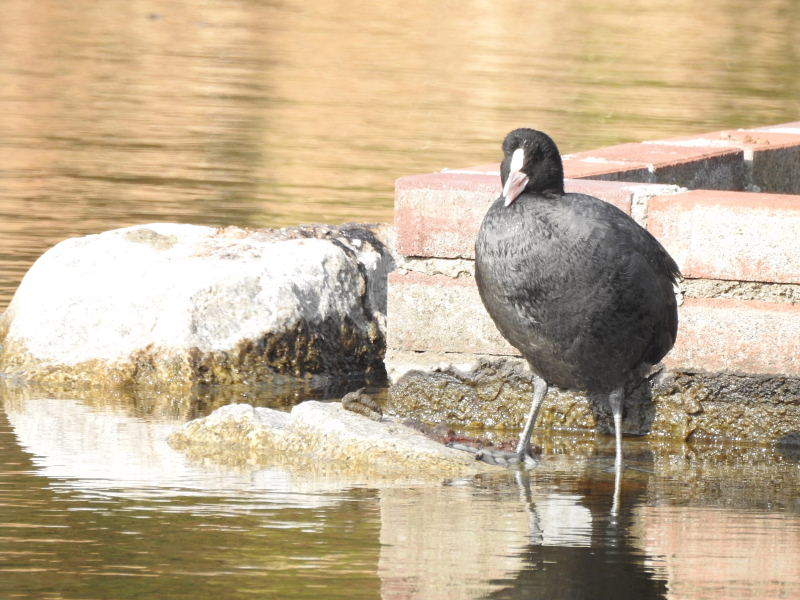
{"x":788,"y":446}
{"x":330,"y":346}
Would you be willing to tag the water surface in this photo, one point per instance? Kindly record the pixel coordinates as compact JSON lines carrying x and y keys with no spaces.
{"x":95,"y":504}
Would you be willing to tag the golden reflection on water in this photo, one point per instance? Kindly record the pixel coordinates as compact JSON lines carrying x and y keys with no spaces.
{"x":271,"y":113}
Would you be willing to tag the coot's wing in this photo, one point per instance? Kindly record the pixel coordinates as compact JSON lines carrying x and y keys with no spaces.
{"x":630,"y":237}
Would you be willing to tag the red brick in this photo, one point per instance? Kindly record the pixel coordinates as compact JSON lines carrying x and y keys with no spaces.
{"x":690,"y":166}
{"x":438,"y":215}
{"x":450,"y":181}
{"x":737,"y":336}
{"x":790,"y":125}
{"x":734,"y":138}
{"x":774,"y":156}
{"x":614,"y":192}
{"x":485,"y":169}
{"x":577,"y":168}
{"x":651,"y":154}
{"x":730,"y":235}
{"x":440,"y":314}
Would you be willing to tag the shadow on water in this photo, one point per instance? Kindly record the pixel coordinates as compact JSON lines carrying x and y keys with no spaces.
{"x":696,"y":521}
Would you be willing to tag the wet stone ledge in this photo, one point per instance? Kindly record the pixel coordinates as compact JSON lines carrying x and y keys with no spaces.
{"x":494,"y":393}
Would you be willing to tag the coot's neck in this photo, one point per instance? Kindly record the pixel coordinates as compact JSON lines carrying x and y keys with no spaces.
{"x":548,"y":180}
{"x":554,"y":190}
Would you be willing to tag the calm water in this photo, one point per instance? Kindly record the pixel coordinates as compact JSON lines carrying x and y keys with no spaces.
{"x":265,"y":113}
{"x":95,"y":504}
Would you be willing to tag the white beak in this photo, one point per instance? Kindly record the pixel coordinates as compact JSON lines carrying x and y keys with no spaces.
{"x":517,"y":180}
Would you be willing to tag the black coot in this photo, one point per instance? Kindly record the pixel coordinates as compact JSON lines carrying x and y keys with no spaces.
{"x":576,"y":285}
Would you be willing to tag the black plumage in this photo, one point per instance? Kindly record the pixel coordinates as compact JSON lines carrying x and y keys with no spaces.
{"x":576,"y":285}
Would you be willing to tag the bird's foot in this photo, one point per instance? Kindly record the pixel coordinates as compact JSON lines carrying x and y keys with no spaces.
{"x":500,"y":458}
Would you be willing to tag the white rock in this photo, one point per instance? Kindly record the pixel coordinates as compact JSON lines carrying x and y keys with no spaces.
{"x":322,"y":436}
{"x":185,"y":303}
{"x":238,"y":429}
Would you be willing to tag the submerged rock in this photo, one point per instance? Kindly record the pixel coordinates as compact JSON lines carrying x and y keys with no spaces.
{"x":324,"y":437}
{"x":184,"y":304}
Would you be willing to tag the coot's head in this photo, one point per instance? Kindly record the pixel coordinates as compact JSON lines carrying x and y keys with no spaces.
{"x":531,"y":163}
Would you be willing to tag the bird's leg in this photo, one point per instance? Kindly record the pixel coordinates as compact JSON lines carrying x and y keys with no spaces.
{"x":520,"y":457}
{"x":539,"y":392}
{"x":615,"y":400}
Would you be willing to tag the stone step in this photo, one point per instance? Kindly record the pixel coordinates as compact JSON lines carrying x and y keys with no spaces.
{"x":706,"y":167}
{"x":771,"y":155}
{"x":439,"y":214}
{"x":436,"y":313}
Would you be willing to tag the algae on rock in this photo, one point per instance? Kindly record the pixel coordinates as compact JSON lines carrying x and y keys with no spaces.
{"x":495,"y":393}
